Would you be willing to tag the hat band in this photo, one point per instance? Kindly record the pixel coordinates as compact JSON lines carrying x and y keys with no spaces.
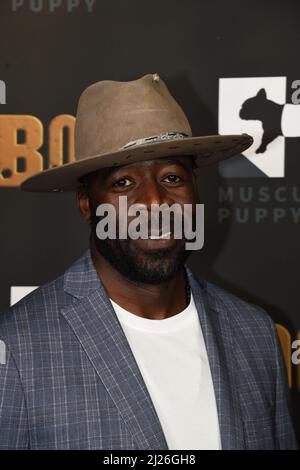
{"x":172,"y":135}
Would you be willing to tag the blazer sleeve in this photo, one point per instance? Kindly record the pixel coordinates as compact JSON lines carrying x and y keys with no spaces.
{"x":13,"y":414}
{"x":285,"y":435}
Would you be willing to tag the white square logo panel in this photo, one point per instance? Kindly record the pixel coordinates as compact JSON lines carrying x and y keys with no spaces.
{"x":254,"y":105}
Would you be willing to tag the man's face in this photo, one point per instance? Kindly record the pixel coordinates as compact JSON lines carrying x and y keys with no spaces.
{"x":159,"y":181}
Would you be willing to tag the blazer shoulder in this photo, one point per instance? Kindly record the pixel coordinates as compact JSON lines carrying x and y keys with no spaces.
{"x":40,"y":305}
{"x":241,"y":313}
{"x":39,"y":311}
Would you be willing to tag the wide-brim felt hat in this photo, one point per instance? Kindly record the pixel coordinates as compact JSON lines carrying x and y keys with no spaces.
{"x":118,"y":123}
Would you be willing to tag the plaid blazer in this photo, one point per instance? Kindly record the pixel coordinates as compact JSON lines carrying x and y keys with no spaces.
{"x":70,"y":380}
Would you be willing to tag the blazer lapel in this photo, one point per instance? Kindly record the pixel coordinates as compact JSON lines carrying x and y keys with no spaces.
{"x":97,"y":327}
{"x":218,"y":339}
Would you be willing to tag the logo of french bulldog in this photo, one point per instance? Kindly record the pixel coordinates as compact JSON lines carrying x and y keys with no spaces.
{"x":259,"y":107}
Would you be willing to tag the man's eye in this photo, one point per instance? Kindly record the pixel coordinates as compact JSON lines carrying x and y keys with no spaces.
{"x":173,"y":179}
{"x":122,"y":182}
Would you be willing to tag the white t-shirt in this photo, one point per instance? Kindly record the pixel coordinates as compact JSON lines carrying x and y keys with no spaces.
{"x":172,"y":358}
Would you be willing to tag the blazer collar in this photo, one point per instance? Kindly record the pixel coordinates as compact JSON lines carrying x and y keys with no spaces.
{"x":81,"y":277}
{"x":97,"y":327}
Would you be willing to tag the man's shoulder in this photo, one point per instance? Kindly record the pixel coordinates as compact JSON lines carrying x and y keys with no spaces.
{"x":41,"y":307}
{"x":247,"y":327}
{"x":240,"y":313}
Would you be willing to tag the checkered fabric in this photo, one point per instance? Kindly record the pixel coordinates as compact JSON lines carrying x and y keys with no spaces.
{"x":70,"y":380}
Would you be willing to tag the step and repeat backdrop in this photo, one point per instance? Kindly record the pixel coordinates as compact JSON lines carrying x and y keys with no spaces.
{"x":232,"y":65}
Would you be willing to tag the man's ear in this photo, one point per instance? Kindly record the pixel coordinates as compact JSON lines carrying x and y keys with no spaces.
{"x":84,"y":204}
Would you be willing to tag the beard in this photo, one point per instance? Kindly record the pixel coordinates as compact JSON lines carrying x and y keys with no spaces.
{"x":146,"y":266}
{"x":136,"y":263}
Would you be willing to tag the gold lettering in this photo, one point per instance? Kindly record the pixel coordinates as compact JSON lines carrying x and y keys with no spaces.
{"x":57,"y":125}
{"x":19,"y":160}
{"x":12,"y":153}
{"x":285,"y":342}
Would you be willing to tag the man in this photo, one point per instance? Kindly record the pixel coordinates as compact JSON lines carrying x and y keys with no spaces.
{"x":127,"y":349}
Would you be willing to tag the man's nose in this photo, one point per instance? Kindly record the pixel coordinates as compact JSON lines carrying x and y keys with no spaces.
{"x":152,"y":192}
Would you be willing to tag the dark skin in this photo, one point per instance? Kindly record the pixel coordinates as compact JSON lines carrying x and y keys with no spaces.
{"x":164,"y":180}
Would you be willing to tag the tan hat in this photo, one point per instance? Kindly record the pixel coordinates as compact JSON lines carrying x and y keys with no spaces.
{"x":118,"y":123}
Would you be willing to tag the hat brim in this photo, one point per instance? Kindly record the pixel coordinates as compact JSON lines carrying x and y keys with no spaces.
{"x":207,"y":150}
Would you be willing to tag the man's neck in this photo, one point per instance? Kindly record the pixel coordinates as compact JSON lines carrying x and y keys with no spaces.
{"x":145,"y":300}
